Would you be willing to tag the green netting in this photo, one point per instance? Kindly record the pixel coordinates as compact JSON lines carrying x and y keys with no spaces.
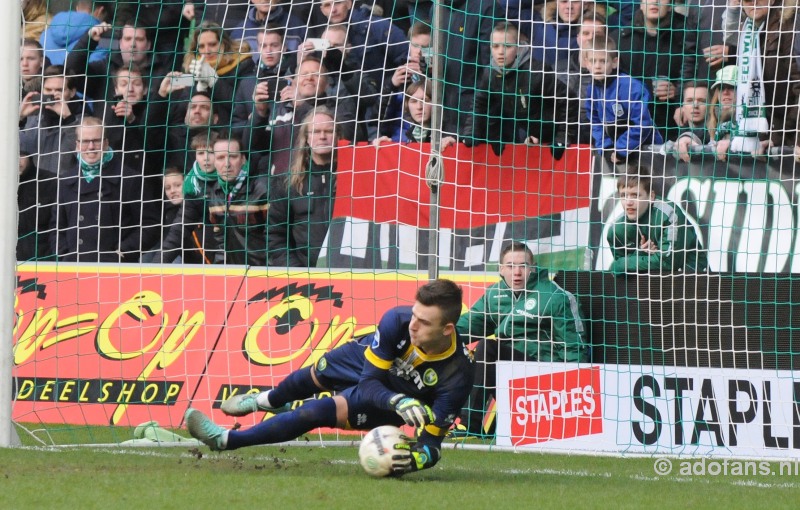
{"x":218,"y":194}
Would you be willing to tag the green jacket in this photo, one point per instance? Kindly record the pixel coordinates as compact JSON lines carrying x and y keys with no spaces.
{"x":544,"y":320}
{"x":666,"y":225}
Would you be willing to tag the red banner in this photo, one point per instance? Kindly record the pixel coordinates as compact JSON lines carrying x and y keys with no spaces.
{"x":100,"y":346}
{"x":387,"y":184}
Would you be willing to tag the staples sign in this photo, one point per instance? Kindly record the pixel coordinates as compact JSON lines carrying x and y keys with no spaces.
{"x":552,"y":406}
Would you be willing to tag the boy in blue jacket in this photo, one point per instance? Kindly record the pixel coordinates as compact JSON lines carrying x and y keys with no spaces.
{"x":616,"y":105}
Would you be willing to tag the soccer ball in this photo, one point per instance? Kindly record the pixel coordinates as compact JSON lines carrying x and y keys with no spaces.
{"x":377,"y":449}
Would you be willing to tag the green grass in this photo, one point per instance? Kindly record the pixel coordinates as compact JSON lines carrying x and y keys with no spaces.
{"x":310,"y":477}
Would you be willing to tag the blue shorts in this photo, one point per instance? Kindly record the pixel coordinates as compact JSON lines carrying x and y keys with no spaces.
{"x":339,"y":370}
{"x":362,"y":415}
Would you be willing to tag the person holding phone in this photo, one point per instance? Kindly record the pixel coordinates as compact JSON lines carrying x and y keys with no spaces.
{"x":275,"y":65}
{"x":44,"y":115}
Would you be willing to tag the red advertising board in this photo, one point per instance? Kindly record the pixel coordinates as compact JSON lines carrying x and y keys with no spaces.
{"x":122,"y":347}
{"x":557,"y":405}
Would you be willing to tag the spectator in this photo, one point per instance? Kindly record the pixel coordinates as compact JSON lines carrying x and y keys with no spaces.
{"x":273,"y":13}
{"x":237,"y":207}
{"x":575,"y":72}
{"x":768,"y":85}
{"x":374,"y":42}
{"x":125,"y":122}
{"x":467,"y":28}
{"x":36,"y":199}
{"x":301,"y":200}
{"x":31,"y":65}
{"x":46,"y":116}
{"x":182,"y":122}
{"x":165,"y":18}
{"x":416,"y":125}
{"x":219,"y":65}
{"x":203,"y":173}
{"x":275,"y":65}
{"x":105,"y":211}
{"x":520,"y":101}
{"x":190,"y":236}
{"x":652,"y":51}
{"x":275,"y":124}
{"x":556,"y":36}
{"x":416,"y":68}
{"x":695,"y":107}
{"x":652,"y":235}
{"x":67,"y":27}
{"x":35,"y":18}
{"x":722,"y":110}
{"x":172,"y":210}
{"x":617,"y":106}
{"x":135,"y":45}
{"x":713,"y":51}
{"x":532,"y":319}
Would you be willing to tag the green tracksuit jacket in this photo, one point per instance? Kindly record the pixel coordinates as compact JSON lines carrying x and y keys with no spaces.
{"x":666,"y":225}
{"x":543,"y":321}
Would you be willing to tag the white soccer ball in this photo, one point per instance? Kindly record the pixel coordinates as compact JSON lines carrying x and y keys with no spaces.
{"x":377,"y":449}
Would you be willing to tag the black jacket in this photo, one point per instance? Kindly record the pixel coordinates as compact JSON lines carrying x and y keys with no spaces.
{"x":515,"y":103}
{"x":113,"y":213}
{"x":239,"y":223}
{"x":644,"y":57}
{"x":298,"y":222}
{"x":36,"y":199}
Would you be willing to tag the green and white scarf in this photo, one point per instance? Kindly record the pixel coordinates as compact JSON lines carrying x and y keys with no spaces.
{"x":196,"y":181}
{"x":750,"y":117}
{"x":232,"y":188}
{"x":91,"y":170}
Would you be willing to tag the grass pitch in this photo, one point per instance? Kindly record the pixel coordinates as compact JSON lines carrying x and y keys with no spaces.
{"x":312,"y":477}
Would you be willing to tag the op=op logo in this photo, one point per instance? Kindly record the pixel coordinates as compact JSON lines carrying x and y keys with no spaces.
{"x":559,"y":405}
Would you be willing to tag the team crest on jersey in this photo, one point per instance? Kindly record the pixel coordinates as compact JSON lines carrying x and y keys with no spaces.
{"x":530,"y":304}
{"x":430,"y":378}
{"x":376,"y":340}
{"x":322,"y":364}
{"x":619,"y":111}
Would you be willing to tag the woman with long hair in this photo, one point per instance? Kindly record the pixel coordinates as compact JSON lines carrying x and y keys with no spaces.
{"x":213,"y":53}
{"x":301,"y":199}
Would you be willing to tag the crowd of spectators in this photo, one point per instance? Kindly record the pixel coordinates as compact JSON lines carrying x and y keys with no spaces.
{"x":206,"y":132}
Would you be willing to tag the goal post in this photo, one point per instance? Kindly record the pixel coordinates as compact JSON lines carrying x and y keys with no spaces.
{"x":9,"y":138}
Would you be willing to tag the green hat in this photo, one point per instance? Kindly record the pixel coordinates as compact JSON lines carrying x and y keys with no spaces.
{"x":726,"y":76}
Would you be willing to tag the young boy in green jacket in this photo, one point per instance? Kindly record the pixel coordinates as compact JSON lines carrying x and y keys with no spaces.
{"x":652,"y":235}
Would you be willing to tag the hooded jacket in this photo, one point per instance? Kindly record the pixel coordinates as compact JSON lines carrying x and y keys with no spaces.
{"x":544,"y":320}
{"x":519,"y":101}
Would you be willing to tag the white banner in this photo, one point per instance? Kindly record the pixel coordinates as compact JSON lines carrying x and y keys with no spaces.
{"x":646,"y":409}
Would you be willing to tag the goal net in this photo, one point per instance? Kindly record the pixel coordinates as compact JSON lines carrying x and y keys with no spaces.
{"x":214,"y":195}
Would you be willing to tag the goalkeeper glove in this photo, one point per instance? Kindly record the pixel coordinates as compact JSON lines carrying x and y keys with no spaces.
{"x":412,"y":411}
{"x":413,"y":458}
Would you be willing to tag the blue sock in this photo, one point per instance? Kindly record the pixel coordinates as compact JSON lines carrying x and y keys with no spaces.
{"x":297,"y":386}
{"x":286,"y":426}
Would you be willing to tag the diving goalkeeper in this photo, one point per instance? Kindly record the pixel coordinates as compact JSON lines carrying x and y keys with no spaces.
{"x":414,"y":369}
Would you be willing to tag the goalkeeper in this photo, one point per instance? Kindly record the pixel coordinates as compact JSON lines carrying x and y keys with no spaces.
{"x":414,"y":369}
